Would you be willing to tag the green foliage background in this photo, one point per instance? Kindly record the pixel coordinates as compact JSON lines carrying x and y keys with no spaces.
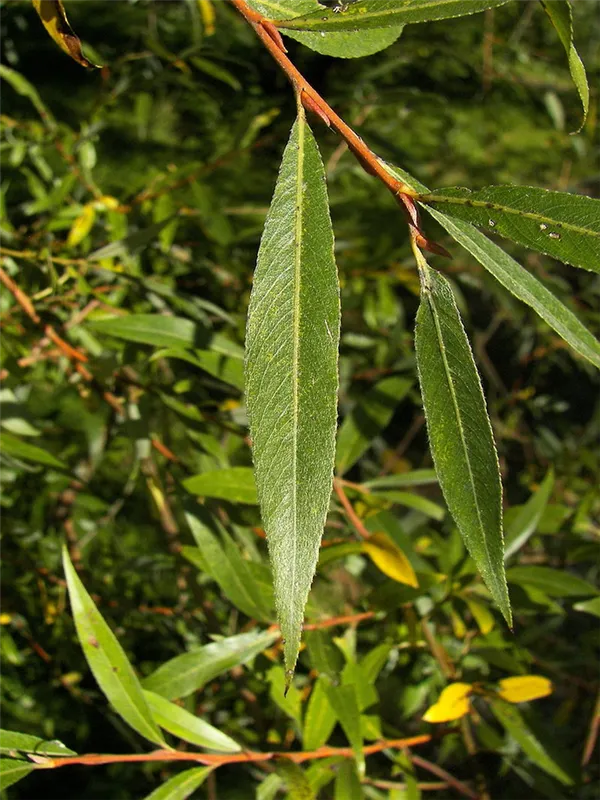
{"x":186,"y":131}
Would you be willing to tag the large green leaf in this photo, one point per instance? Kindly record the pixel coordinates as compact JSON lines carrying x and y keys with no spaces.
{"x":347,"y":783}
{"x":13,"y":446}
{"x":369,"y":417}
{"x":13,"y":742}
{"x":523,"y":285}
{"x":107,"y":659}
{"x":561,"y":16}
{"x":13,"y":770}
{"x":514,"y":723}
{"x":344,"y":702}
{"x":181,"y":786}
{"x":186,"y":726}
{"x":320,"y":718}
{"x":460,"y":433}
{"x":341,"y":44}
{"x":188,"y":672}
{"x":367,"y":14}
{"x":564,"y":226}
{"x":525,"y":522}
{"x":235,"y":484}
{"x":291,"y":376}
{"x":555,"y":582}
{"x":153,"y":329}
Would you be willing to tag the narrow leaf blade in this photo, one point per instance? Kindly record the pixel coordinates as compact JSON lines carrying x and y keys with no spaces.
{"x":181,"y":786}
{"x":526,"y":521}
{"x":291,"y":376}
{"x":235,"y":484}
{"x":107,"y":659}
{"x":54,"y":19}
{"x":460,"y":433}
{"x":344,"y":702}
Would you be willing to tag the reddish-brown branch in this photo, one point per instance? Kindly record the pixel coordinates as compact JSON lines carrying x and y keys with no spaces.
{"x":234,"y":758}
{"x":350,"y":512}
{"x":446,"y":776}
{"x":349,"y":619}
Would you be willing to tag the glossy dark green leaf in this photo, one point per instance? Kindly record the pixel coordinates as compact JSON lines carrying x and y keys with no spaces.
{"x":554,"y":582}
{"x":13,"y":446}
{"x":235,"y":484}
{"x":564,"y":226}
{"x":228,"y":568}
{"x":291,"y":376}
{"x":186,"y":726}
{"x":514,"y":723}
{"x":525,"y":522}
{"x":107,"y":659}
{"x":523,"y":285}
{"x":188,"y":672}
{"x":13,"y":742}
{"x":341,"y":44}
{"x":13,"y":770}
{"x":181,"y":786}
{"x":366,"y":421}
{"x":366,"y":14}
{"x":460,"y":433}
{"x":152,"y":329}
{"x":344,"y":702}
{"x":561,"y":16}
{"x":320,"y":718}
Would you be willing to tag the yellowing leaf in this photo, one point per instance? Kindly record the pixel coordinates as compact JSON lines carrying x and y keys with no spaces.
{"x":481,"y":614}
{"x":453,"y":704}
{"x":82,"y":226}
{"x":458,"y":625}
{"x":54,"y":18}
{"x":524,"y":687}
{"x":386,"y":555}
{"x":207,"y":12}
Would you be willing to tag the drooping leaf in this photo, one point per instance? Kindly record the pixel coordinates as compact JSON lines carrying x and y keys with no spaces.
{"x":13,"y":770}
{"x":181,"y":786}
{"x":522,"y":688}
{"x":554,"y":582}
{"x":340,"y":44}
{"x":107,"y":659}
{"x":188,"y":672}
{"x":12,"y":743}
{"x":589,"y":606}
{"x":523,"y":285}
{"x":366,"y":421}
{"x":235,"y":484}
{"x":291,"y":376}
{"x":415,"y":501}
{"x":54,"y":19}
{"x":347,"y":783}
{"x":82,"y":225}
{"x":460,"y":433}
{"x":367,"y":14}
{"x":289,"y":699}
{"x":187,"y":726}
{"x":453,"y":704}
{"x":152,"y":329}
{"x":564,"y":226}
{"x":297,"y":785}
{"x":481,"y":614}
{"x":226,"y":369}
{"x":23,"y":87}
{"x":514,"y":723}
{"x":390,"y":559}
{"x":320,"y":718}
{"x":325,"y":657}
{"x":416,"y":477}
{"x":561,"y":16}
{"x":343,"y":700}
{"x":525,"y":522}
{"x":13,"y":446}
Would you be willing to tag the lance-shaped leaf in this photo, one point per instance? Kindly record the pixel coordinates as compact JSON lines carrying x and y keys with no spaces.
{"x":523,"y":285}
{"x":107,"y":659}
{"x":561,"y":16}
{"x":13,"y":770}
{"x":181,"y":786}
{"x":564,"y":226}
{"x":367,"y":14}
{"x":460,"y":433}
{"x":523,"y":525}
{"x":54,"y":18}
{"x":291,"y":376}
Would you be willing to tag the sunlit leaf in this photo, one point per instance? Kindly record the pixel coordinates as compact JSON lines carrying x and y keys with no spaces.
{"x":82,"y":225}
{"x":347,"y":783}
{"x":453,"y":704}
{"x":107,"y":659}
{"x":523,"y":688}
{"x":152,"y":329}
{"x":460,"y":433}
{"x":320,"y":718}
{"x":54,"y":18}
{"x":291,"y":376}
{"x":589,"y":606}
{"x":481,"y":614}
{"x":181,"y":786}
{"x":343,"y":700}
{"x":13,"y":742}
{"x":13,"y":770}
{"x":235,"y":484}
{"x":555,"y":582}
{"x":390,"y":559}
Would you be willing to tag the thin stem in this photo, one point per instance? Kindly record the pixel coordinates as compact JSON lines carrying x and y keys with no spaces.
{"x":350,"y":512}
{"x":446,"y":776}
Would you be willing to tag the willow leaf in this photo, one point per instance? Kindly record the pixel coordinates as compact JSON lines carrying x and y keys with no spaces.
{"x":291,"y":376}
{"x":54,"y":19}
{"x":459,"y":429}
{"x":367,"y":14}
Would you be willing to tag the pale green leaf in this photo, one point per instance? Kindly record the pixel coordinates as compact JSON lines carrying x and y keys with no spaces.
{"x":589,"y":606}
{"x":366,"y":421}
{"x":416,"y":477}
{"x":526,"y":521}
{"x":187,"y":726}
{"x":181,"y":786}
{"x":554,"y":582}
{"x":13,"y":770}
{"x":347,"y":783}
{"x":460,"y":433}
{"x":235,"y":484}
{"x":367,"y":14}
{"x":341,"y":44}
{"x":561,"y":16}
{"x":514,"y":723}
{"x":13,"y":742}
{"x":188,"y":672}
{"x":523,"y":285}
{"x":107,"y":659}
{"x":344,"y":702}
{"x":291,"y":376}
{"x":152,"y":329}
{"x":564,"y":226}
{"x":320,"y":718}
